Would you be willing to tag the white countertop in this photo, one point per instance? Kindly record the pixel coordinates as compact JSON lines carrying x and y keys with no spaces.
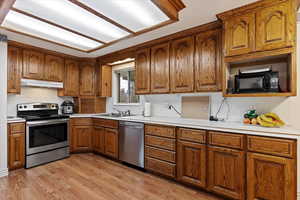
{"x":233,"y":127}
{"x":15,"y":120}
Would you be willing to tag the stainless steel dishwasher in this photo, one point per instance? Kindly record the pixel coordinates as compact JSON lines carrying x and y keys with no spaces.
{"x":131,"y":143}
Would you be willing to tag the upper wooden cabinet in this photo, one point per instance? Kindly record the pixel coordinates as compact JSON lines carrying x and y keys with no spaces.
{"x":260,"y":26}
{"x":33,"y":64}
{"x":208,"y":61}
{"x":87,"y":79}
{"x":142,"y":71}
{"x":276,"y":26}
{"x":14,"y":70}
{"x":54,"y":68}
{"x":182,"y":65}
{"x":160,"y":68}
{"x":105,"y":81}
{"x":71,"y":79}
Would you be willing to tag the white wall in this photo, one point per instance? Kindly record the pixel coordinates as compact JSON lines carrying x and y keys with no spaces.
{"x":31,"y":95}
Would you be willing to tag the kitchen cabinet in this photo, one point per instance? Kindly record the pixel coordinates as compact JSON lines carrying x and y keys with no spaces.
{"x":208,"y":61}
{"x":111,"y":142}
{"x":54,"y":68}
{"x":90,"y":104}
{"x":142,"y":71}
{"x":98,"y":139}
{"x":160,"y":68}
{"x":105,"y":81}
{"x":191,"y":163}
{"x":16,"y":145}
{"x":276,"y":26}
{"x":226,"y":172}
{"x":33,"y":64}
{"x":87,"y":79}
{"x":82,"y":138}
{"x":270,"y":177}
{"x":14,"y":70}
{"x":182,"y":65}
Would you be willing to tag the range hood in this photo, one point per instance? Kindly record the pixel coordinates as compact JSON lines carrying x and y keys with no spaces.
{"x":37,"y":83}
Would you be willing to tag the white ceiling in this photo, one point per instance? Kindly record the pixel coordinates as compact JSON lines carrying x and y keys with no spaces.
{"x":197,"y":12}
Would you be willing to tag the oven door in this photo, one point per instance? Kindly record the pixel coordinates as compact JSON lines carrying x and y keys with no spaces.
{"x":46,"y":135}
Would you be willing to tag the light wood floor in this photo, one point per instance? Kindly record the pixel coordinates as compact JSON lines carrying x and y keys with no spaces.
{"x":89,"y":177}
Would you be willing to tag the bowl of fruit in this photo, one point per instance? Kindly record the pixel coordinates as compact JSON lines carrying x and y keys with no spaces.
{"x":266,"y":120}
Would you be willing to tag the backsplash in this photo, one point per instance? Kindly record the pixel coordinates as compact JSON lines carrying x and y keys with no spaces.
{"x":32,"y":94}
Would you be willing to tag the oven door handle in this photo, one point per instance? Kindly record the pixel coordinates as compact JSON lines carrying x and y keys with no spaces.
{"x":46,"y":122}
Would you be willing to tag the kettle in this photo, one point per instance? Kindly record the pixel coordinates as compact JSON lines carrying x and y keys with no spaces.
{"x":67,"y":107}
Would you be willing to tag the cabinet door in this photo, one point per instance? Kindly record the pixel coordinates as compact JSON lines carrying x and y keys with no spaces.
{"x":240,"y":34}
{"x":14,"y":70}
{"x":106,"y":81}
{"x":16,"y":151}
{"x":111,"y":142}
{"x":208,"y":61}
{"x":81,"y":138}
{"x":142,"y":71}
{"x":33,"y":64}
{"x":191,"y":163}
{"x":54,"y":68}
{"x":226,"y":172}
{"x":160,"y":68}
{"x":270,"y":177}
{"x":182,"y":65}
{"x":71,"y":80}
{"x":276,"y":26}
{"x":98,"y":139}
{"x":87,"y":79}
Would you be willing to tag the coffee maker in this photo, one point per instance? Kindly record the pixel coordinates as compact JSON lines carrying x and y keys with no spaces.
{"x":67,"y":107}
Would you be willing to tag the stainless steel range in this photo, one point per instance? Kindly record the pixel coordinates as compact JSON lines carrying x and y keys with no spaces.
{"x":47,"y":134}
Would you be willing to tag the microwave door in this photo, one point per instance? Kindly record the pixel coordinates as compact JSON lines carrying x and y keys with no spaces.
{"x":250,"y":84}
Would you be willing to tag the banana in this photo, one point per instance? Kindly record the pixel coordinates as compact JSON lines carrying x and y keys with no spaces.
{"x":264,"y":123}
{"x":267,"y":119}
{"x":270,"y":120}
{"x":276,"y":118}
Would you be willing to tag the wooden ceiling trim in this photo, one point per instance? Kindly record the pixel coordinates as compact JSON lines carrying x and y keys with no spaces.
{"x":5,"y":6}
{"x":57,"y":25}
{"x":91,"y":10}
{"x":170,"y":7}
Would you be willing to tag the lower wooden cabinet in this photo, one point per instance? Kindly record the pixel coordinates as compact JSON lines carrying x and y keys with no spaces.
{"x":191,"y":163}
{"x":270,"y":177}
{"x":98,"y":139}
{"x":81,"y":138}
{"x":16,"y":145}
{"x":111,"y":142}
{"x":226,"y":172}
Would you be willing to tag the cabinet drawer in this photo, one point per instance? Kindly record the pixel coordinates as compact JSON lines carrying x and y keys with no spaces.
{"x":106,"y":123}
{"x":192,"y":135}
{"x":160,"y":167}
{"x":160,"y":142}
{"x":16,"y":128}
{"x":81,"y":121}
{"x":226,"y":140}
{"x":163,"y":131}
{"x":274,"y":146}
{"x":160,"y":154}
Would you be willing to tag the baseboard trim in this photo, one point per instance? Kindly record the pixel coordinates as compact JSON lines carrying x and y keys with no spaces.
{"x":3,"y":172}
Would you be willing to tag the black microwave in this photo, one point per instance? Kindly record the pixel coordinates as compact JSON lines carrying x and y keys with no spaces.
{"x":259,"y":81}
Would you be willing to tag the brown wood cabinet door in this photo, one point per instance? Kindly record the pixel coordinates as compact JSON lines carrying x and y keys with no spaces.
{"x":33,"y":64}
{"x":106,"y":81}
{"x":226,"y":172}
{"x":142,"y":71}
{"x":191,"y":163}
{"x":270,"y":177}
{"x":160,"y":68}
{"x":16,"y":151}
{"x":14,"y":70}
{"x":208,"y":61}
{"x":98,"y":139}
{"x":111,"y":142}
{"x":54,"y":68}
{"x":276,"y":26}
{"x":71,"y":80}
{"x":81,"y":138}
{"x":240,"y":34}
{"x":182,"y":65}
{"x":87,"y":79}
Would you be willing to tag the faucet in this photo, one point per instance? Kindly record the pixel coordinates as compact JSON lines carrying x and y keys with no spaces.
{"x":119,"y":111}
{"x":123,"y":113}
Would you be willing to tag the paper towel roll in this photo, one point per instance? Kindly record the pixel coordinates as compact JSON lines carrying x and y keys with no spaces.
{"x":147,"y":110}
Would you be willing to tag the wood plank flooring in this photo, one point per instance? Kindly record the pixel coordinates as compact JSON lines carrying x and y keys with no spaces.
{"x":91,"y":177}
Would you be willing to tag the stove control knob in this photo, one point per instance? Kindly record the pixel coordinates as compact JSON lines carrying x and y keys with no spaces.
{"x":20,"y":107}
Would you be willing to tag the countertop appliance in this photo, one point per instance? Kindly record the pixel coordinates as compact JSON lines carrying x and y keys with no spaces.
{"x":47,"y":134}
{"x":252,"y":81}
{"x":131,"y":143}
{"x":67,"y":107}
